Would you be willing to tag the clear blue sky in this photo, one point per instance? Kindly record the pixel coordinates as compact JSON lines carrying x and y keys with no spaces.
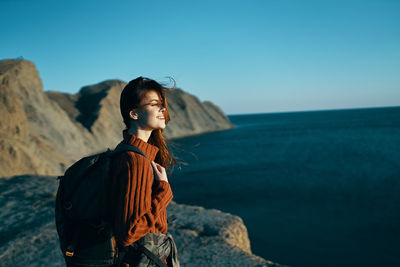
{"x":245,"y":56}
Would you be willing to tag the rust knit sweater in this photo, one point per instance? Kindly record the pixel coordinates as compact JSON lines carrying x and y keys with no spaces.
{"x":139,"y":204}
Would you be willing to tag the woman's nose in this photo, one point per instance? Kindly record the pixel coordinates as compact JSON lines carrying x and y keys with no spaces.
{"x":162,"y":109}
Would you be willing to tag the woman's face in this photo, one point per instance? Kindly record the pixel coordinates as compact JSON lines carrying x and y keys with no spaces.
{"x":150,"y":114}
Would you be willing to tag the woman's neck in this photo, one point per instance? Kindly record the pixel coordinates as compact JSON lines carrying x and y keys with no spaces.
{"x":139,"y":133}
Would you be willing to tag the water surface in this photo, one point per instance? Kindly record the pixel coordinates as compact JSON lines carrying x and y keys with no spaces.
{"x":317,"y":188}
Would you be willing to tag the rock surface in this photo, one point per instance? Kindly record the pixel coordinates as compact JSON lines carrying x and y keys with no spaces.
{"x":207,"y":237}
{"x":44,"y":132}
{"x":34,"y":130}
{"x":28,"y":235}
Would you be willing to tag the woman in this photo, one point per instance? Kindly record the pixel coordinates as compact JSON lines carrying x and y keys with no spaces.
{"x":140,"y":188}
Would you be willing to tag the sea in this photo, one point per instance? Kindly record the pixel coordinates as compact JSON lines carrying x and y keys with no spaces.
{"x":314,"y":188}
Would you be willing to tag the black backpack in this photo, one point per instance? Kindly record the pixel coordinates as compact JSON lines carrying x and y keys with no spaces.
{"x":82,"y":211}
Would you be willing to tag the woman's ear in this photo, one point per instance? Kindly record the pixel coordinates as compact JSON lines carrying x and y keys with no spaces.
{"x":133,"y":115}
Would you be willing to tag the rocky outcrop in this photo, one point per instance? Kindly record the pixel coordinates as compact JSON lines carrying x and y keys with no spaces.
{"x":29,"y":238}
{"x":190,"y":116}
{"x":44,"y":132}
{"x":207,"y":237}
{"x":36,"y":134}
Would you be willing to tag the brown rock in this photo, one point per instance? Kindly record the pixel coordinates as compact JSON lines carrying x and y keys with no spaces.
{"x":42,"y":133}
{"x":23,"y":144}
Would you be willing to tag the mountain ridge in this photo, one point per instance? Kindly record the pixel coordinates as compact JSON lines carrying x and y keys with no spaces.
{"x":44,"y":132}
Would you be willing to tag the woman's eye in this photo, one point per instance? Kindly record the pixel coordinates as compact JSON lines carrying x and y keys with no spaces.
{"x":157,"y":105}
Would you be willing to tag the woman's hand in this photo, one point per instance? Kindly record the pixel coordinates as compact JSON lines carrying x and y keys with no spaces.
{"x":159,"y":172}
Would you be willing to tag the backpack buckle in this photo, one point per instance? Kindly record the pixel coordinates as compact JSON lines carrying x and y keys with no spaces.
{"x":69,"y":252}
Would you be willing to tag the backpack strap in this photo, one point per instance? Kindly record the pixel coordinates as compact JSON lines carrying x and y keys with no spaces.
{"x":152,"y":256}
{"x":141,"y":249}
{"x":122,"y":147}
{"x":69,"y":251}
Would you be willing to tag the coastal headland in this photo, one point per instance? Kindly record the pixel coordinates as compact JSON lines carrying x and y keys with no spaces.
{"x":42,"y":133}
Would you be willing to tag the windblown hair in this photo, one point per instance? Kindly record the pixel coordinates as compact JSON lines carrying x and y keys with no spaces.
{"x":130,"y":99}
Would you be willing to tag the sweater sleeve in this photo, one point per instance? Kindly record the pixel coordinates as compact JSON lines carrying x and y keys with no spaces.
{"x":139,"y":207}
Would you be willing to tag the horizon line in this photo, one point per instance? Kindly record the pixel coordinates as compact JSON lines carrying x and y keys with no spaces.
{"x":311,"y":110}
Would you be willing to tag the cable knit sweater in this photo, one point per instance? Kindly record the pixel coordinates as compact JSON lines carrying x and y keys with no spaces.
{"x":139,"y":204}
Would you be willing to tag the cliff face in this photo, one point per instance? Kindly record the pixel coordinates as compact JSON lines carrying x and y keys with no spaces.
{"x":190,"y":116}
{"x":36,"y":134}
{"x":96,"y":107}
{"x":44,"y":132}
{"x":29,"y":237}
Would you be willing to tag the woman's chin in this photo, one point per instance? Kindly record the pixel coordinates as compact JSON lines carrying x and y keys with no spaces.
{"x":162,"y":126}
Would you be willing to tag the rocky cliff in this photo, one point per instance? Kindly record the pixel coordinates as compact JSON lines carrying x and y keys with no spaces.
{"x":44,"y":132}
{"x":29,"y":238}
{"x":36,"y":135}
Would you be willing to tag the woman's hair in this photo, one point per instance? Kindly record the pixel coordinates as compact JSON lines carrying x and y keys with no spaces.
{"x":130,"y":99}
